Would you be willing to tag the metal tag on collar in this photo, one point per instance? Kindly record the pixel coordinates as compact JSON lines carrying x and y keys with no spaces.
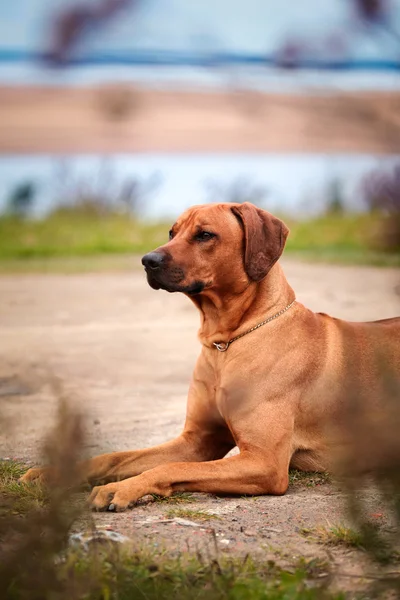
{"x":221,"y":346}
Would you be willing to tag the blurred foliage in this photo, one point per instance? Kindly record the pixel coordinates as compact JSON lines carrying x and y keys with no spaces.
{"x":71,"y":24}
{"x":379,"y":16}
{"x":35,"y":523}
{"x":337,"y":237}
{"x":335,"y":201}
{"x":67,"y":232}
{"x":368,"y":457}
{"x":239,"y":190}
{"x":381,"y":190}
{"x":77,"y":233}
{"x":22,"y":199}
{"x":102,"y":194}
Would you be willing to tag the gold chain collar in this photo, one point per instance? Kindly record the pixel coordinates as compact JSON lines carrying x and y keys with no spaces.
{"x":223,"y":346}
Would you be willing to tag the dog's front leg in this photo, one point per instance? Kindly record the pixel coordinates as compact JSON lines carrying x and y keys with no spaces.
{"x":245,"y":473}
{"x":205,"y":437}
{"x":115,"y":466}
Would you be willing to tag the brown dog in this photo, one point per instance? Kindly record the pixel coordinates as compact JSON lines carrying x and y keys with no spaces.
{"x":274,"y":390}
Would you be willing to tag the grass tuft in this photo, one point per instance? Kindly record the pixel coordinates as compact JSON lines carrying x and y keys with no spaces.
{"x":11,"y":470}
{"x":188,"y":513}
{"x":308,"y":478}
{"x":19,"y":498}
{"x":177,"y":498}
{"x":336,"y":535}
{"x":316,"y":567}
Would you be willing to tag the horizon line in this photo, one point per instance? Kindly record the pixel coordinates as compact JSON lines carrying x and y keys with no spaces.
{"x":168,"y":58}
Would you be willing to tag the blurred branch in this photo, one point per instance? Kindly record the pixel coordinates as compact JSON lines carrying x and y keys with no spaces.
{"x":72,"y":24}
{"x":104,"y":195}
{"x":378,"y":13}
{"x":381,"y":191}
{"x":241,"y":189}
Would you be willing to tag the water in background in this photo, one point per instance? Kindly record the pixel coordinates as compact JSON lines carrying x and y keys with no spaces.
{"x":295,"y":184}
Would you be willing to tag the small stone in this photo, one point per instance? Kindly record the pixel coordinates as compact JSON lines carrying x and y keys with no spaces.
{"x":250,"y":533}
{"x":234,"y":519}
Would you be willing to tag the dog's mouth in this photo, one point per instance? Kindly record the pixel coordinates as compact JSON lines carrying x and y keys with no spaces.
{"x":159,"y":280}
{"x":152,"y":280}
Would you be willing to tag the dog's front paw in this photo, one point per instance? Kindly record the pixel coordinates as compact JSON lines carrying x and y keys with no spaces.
{"x":37,"y":475}
{"x":115,"y":496}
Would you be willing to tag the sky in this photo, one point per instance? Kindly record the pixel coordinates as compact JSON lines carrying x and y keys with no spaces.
{"x":204,"y":27}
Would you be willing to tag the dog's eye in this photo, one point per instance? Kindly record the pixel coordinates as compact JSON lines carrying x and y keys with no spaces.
{"x":170,"y":234}
{"x":204,"y":236}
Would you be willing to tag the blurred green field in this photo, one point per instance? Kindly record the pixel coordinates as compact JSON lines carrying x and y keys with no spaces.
{"x":91,"y":241}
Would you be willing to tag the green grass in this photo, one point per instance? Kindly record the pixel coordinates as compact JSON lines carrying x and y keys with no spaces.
{"x":107,"y":574}
{"x":69,"y":234}
{"x":11,"y":470}
{"x":36,"y":562}
{"x":111,"y":263}
{"x":187,"y":513}
{"x":63,"y":236}
{"x":20,"y":498}
{"x":336,"y":535}
{"x":308,"y":479}
{"x":176,"y":498}
{"x":346,"y":238}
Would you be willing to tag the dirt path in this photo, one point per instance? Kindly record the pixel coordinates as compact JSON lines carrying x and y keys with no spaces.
{"x":128,"y":352}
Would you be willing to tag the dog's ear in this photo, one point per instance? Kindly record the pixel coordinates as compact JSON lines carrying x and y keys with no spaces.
{"x":264,"y":239}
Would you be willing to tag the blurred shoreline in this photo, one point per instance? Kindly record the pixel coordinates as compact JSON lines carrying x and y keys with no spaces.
{"x":127,"y":118}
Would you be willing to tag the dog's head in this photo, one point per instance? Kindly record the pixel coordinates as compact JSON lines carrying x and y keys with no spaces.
{"x":216,"y":246}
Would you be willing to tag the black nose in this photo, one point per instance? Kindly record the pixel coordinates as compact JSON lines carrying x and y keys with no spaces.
{"x":153,"y":260}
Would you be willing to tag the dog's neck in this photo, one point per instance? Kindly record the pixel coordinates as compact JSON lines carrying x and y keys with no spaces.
{"x":225,"y":314}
